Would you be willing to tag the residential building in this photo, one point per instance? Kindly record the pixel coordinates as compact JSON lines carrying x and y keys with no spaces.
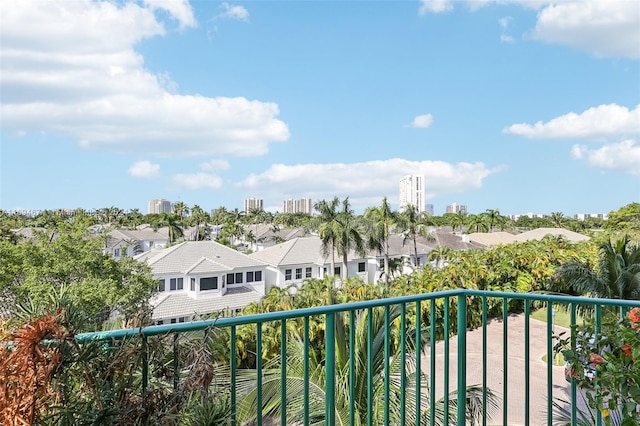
{"x":412,"y":192}
{"x":302,"y":205}
{"x":583,"y":216}
{"x":457,"y":208}
{"x":126,"y":242}
{"x":199,"y":278}
{"x":160,"y":206}
{"x":252,"y":204}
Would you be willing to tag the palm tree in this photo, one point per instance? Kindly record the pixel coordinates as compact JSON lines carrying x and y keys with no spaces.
{"x":440,"y":255}
{"x":616,"y":277}
{"x":326,"y":225}
{"x":379,"y":222}
{"x":493,"y":216}
{"x":348,"y":236}
{"x":367,"y":400}
{"x":199,"y":217}
{"x":413,"y":224}
{"x":477,"y":223}
{"x":181,"y":209}
{"x":173,"y":223}
{"x":558,"y":219}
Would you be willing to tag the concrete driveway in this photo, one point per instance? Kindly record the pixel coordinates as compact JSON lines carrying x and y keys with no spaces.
{"x":515,"y":398}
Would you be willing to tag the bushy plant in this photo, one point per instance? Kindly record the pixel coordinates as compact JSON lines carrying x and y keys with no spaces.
{"x":614,"y":356}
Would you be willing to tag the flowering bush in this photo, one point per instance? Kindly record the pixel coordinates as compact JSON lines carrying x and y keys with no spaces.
{"x":614,"y":390}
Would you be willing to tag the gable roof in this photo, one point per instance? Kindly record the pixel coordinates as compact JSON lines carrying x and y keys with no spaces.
{"x":197,"y":257}
{"x":172,"y":305}
{"x":293,"y":252}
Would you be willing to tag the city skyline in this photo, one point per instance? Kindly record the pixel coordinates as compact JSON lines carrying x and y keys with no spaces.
{"x":507,"y":105}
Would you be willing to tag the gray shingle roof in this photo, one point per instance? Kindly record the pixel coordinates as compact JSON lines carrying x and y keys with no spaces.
{"x":188,"y":255}
{"x":174,"y":305}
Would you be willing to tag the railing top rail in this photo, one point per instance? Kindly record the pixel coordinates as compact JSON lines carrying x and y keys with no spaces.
{"x":343,"y":307}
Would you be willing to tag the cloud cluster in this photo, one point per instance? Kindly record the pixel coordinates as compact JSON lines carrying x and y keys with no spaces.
{"x":85,"y":80}
{"x":623,"y":156}
{"x":603,"y":123}
{"x":608,"y":28}
{"x":197,"y":181}
{"x":366,"y":182}
{"x":144,"y":169}
{"x":595,"y":123}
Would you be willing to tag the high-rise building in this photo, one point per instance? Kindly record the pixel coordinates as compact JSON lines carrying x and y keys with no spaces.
{"x":160,"y":206}
{"x":456,"y":208}
{"x":252,"y":204}
{"x":302,"y":205}
{"x":428,"y":209}
{"x":412,"y":192}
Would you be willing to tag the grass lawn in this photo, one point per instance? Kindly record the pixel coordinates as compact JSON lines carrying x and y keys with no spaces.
{"x":562,"y":319}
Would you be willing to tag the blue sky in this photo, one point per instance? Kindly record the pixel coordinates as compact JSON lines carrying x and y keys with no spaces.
{"x":525,"y":106}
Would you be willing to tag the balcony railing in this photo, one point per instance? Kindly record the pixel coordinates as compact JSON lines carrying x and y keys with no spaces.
{"x":466,"y":337}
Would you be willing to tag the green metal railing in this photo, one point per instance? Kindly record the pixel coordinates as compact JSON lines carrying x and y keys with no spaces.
{"x":432,"y":318}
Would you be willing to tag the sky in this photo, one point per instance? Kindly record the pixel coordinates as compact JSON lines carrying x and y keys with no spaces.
{"x":520,"y":105}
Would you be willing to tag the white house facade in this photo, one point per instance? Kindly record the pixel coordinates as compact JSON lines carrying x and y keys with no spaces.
{"x":199,"y":278}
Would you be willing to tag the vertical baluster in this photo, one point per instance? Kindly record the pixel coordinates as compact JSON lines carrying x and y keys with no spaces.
{"x":330,"y":365}
{"x":462,"y":358}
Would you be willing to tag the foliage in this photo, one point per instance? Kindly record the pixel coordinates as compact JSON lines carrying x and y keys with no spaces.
{"x":625,"y":218}
{"x":615,"y":389}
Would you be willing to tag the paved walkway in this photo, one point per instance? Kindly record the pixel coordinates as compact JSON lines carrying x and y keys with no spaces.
{"x":515,"y":399}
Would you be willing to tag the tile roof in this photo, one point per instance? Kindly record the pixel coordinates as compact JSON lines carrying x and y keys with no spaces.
{"x":173,"y":305}
{"x":540,"y":233}
{"x":293,"y":252}
{"x":188,"y":255}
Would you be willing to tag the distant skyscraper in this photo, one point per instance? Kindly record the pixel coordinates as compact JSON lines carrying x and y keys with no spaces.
{"x":252,"y":203}
{"x":160,"y":206}
{"x":428,"y":209}
{"x":412,"y":192}
{"x":457,"y":208}
{"x":302,"y":205}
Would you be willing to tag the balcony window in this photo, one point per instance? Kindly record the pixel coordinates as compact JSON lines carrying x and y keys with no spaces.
{"x":239,"y":278}
{"x":258,"y":276}
{"x":208,"y":283}
{"x":250,"y":276}
{"x":230,"y":278}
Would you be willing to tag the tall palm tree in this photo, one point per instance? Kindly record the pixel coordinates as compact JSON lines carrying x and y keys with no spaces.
{"x":413,"y":224}
{"x":379,"y":222}
{"x":199,"y":217}
{"x":172,"y":222}
{"x":348,"y":235}
{"x":386,"y":375}
{"x":181,"y":209}
{"x":493,"y":217}
{"x":617,"y":275}
{"x":557,"y":218}
{"x":326,"y":224}
{"x":477,"y":223}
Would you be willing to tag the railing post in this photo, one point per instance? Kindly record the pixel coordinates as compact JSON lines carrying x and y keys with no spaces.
{"x":462,"y":358}
{"x":330,"y":370}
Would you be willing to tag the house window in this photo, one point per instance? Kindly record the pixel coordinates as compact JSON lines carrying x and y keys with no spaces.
{"x":208,"y":283}
{"x":307,"y":272}
{"x":336,"y":271}
{"x":181,"y":319}
{"x":180,"y":283}
{"x":381,"y":262}
{"x":250,"y":277}
{"x":159,"y":322}
{"x":172,"y":284}
{"x":116,"y":252}
{"x":230,"y":278}
{"x":361,"y":267}
{"x":298,"y":273}
{"x":193,"y":284}
{"x":287,"y":274}
{"x":258,"y":276}
{"x":418,"y":261}
{"x":173,"y":320}
{"x":239,"y":278}
{"x":160,"y":285}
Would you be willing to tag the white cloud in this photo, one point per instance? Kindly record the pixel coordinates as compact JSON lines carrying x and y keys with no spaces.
{"x":215,"y":165}
{"x":144,"y":169}
{"x":365,"y":183}
{"x":595,"y":123}
{"x":608,"y":28}
{"x":604,"y":28}
{"x":422,"y":121}
{"x":179,"y":9}
{"x":435,"y":6}
{"x":85,"y":80}
{"x":197,"y":181}
{"x":507,"y":39}
{"x":234,"y":12}
{"x":505,"y":21}
{"x":623,"y":156}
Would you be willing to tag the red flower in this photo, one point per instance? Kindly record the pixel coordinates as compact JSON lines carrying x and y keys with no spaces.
{"x":634,"y":318}
{"x":597,"y":360}
{"x":627,"y":349}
